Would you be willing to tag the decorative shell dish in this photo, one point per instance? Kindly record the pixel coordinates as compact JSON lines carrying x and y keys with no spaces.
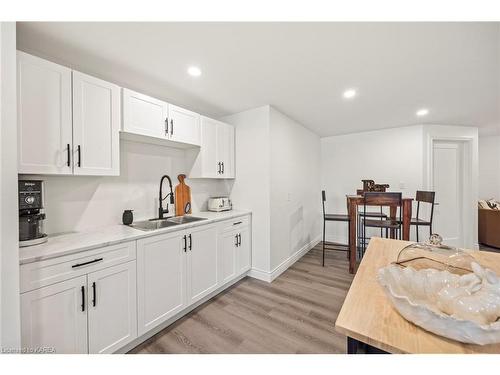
{"x":445,"y":291}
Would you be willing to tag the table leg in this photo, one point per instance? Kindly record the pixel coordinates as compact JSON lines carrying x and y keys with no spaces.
{"x":392,"y":214}
{"x":406,"y":219}
{"x":352,"y":208}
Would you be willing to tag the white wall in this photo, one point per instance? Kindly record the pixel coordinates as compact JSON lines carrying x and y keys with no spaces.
{"x":277,"y":177}
{"x":489,"y":167}
{"x":295,"y":183}
{"x":78,"y":203}
{"x":389,"y":156}
{"x":252,"y":186}
{"x":9,"y":256}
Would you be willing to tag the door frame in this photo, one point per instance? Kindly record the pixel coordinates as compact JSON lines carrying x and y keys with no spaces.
{"x":468,"y":209}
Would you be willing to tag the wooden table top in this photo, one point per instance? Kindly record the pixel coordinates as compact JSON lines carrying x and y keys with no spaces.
{"x":367,"y":314}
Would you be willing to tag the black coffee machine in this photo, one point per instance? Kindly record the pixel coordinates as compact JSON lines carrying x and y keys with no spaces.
{"x":31,"y":215}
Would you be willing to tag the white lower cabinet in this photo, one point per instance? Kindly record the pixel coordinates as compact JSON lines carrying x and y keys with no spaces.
{"x":228,"y":241}
{"x":201,"y":262}
{"x":235,"y":249}
{"x":244,"y":250}
{"x":161,"y":281}
{"x":55,"y":317}
{"x":112,"y":308}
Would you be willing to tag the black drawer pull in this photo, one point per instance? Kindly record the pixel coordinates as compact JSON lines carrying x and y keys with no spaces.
{"x":94,"y":294}
{"x":79,"y":149}
{"x":69,"y":156}
{"x":238,"y":222}
{"x":85,"y":263}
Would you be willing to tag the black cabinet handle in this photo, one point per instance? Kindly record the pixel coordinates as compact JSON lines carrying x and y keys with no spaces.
{"x":69,"y":156}
{"x":239,"y":239}
{"x":190,"y":242}
{"x":185,"y":243}
{"x":83,"y":298}
{"x":94,"y":294}
{"x":237,"y":223}
{"x":171,"y":126}
{"x":79,"y":156}
{"x":236,"y":244}
{"x":166,"y":126}
{"x":218,"y":167}
{"x":222,"y":167}
{"x":86,"y":263}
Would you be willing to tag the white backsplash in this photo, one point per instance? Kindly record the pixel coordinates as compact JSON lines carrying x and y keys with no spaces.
{"x":78,"y":203}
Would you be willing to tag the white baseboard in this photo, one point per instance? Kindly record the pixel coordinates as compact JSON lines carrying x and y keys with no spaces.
{"x":283,"y":266}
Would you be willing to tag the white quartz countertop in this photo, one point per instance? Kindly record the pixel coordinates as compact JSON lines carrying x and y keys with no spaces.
{"x":74,"y":242}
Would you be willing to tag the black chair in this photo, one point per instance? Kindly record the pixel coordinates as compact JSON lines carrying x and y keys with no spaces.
{"x":382,"y":199}
{"x":368,"y":214}
{"x":426,"y":197}
{"x":333,"y":217}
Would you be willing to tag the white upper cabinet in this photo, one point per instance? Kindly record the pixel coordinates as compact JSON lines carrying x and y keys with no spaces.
{"x":68,"y":122}
{"x":144,"y":115}
{"x":184,"y":125}
{"x":161,"y":121}
{"x":96,"y":126}
{"x":216,"y":156}
{"x":44,"y":116}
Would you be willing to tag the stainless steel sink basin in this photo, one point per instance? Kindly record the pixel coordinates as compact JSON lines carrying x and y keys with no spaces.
{"x":185,"y":219}
{"x":153,"y":224}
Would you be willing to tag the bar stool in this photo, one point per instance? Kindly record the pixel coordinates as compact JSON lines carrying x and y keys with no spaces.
{"x":334,"y":217}
{"x":425,"y":197}
{"x":382,"y":199}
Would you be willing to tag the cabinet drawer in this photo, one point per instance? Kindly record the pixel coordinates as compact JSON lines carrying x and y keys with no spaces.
{"x":46,"y":272}
{"x":235,"y":224}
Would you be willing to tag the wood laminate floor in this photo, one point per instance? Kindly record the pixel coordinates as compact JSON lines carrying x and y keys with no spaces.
{"x":296,"y":313}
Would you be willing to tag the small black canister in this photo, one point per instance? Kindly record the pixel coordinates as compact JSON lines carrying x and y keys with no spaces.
{"x":128,"y":217}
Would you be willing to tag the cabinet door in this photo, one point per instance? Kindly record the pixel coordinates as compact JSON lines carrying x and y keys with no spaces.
{"x":55,"y":317}
{"x":202,"y":262}
{"x":244,"y":251}
{"x":225,"y":149}
{"x":161,"y":279}
{"x":96,"y":126}
{"x":184,"y":125}
{"x":144,"y":115}
{"x":227,"y":250}
{"x":112,"y":308}
{"x":43,"y":116}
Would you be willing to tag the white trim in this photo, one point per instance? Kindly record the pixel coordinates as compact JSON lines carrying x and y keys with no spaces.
{"x":283,"y":266}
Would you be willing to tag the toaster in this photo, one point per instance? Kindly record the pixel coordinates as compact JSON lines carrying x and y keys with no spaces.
{"x":218,"y":204}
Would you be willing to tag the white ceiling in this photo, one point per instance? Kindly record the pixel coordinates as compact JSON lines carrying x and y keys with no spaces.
{"x":300,"y":68}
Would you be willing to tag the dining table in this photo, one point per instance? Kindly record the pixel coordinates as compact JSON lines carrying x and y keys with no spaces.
{"x":353,"y":202}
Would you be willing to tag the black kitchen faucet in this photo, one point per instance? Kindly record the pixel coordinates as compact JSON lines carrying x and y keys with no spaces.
{"x":162,"y":211}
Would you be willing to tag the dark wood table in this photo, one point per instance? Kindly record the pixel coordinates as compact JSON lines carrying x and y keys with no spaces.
{"x":353,"y":201}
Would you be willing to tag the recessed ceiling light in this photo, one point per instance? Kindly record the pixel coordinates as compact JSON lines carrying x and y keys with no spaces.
{"x":349,"y":94}
{"x":194,"y":71}
{"x":422,"y":112}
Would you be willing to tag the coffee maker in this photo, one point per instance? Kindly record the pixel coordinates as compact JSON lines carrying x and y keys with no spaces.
{"x":31,"y":215}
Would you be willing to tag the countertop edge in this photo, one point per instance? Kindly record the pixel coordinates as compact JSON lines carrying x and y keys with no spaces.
{"x":127,"y":238}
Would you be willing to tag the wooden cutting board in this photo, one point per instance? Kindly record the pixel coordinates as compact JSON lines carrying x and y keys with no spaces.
{"x":182,"y":197}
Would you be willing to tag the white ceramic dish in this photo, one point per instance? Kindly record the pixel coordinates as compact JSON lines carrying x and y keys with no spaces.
{"x":463,"y":308}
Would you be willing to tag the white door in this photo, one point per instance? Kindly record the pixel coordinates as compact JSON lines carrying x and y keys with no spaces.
{"x":96,"y":126}
{"x":144,"y":115}
{"x":55,"y":317}
{"x":43,"y":116}
{"x":228,"y":254}
{"x":448,"y":181}
{"x":184,"y":125}
{"x":243,"y":249}
{"x":112,"y":308}
{"x":161,"y":279}
{"x":202,"y":262}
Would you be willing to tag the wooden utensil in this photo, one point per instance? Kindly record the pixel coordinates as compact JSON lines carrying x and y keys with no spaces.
{"x":182,"y":197}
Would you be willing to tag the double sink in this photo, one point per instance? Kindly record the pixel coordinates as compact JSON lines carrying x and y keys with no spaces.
{"x":154,"y":224}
